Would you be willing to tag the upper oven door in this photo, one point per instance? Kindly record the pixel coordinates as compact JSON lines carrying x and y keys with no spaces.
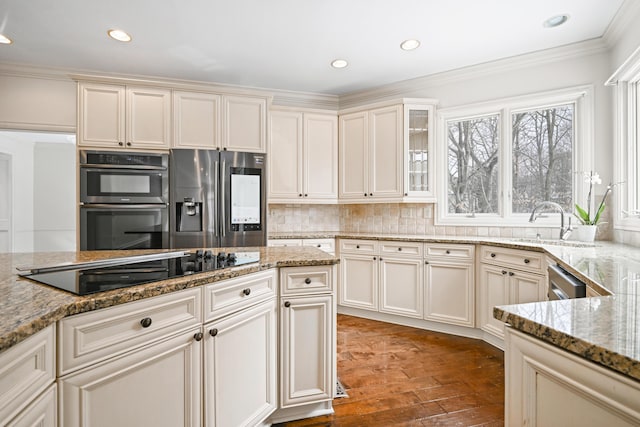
{"x":123,"y":184}
{"x":123,"y":177}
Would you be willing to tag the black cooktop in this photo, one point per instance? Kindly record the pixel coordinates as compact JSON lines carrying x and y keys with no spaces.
{"x":90,"y":278}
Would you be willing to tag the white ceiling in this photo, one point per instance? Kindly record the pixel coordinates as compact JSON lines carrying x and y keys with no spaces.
{"x":288,"y":44}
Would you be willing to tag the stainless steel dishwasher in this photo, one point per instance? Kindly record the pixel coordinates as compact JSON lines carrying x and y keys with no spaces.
{"x":564,"y":285}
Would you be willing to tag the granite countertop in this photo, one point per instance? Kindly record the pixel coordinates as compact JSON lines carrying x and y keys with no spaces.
{"x":604,"y":329}
{"x":26,"y":307}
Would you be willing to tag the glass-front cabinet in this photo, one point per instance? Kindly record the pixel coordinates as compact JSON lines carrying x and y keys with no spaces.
{"x":418,"y":149}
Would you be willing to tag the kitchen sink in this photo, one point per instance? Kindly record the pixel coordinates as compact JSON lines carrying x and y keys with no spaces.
{"x":557,"y":242}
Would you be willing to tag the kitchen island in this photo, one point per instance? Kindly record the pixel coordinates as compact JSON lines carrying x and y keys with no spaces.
{"x":206,"y":348}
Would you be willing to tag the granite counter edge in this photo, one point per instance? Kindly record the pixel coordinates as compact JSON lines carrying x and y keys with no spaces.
{"x":600,"y":355}
{"x":135,"y":293}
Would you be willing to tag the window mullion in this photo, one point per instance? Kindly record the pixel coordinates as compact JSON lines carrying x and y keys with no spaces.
{"x":506,"y":153}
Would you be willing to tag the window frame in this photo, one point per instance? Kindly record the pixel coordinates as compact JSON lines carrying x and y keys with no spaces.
{"x":582,"y":152}
{"x":627,"y":143}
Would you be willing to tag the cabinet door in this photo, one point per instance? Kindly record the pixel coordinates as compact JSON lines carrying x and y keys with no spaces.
{"x":101,"y":115}
{"x":418,"y":152}
{"x":285,"y":156}
{"x":494,"y":290}
{"x":401,"y":286}
{"x":359,"y":281}
{"x":450,"y":295}
{"x":320,"y":157}
{"x":353,"y":139}
{"x":385,"y":152}
{"x":196,"y":120}
{"x":148,"y":118}
{"x":526,"y":287}
{"x":244,"y":124}
{"x":42,"y":412}
{"x":240,"y":367}
{"x":158,"y":385}
{"x":306,"y":350}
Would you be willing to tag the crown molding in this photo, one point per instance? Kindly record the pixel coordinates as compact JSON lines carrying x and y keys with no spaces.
{"x":30,"y":71}
{"x":409,"y":87}
{"x":320,"y":101}
{"x":627,"y":15}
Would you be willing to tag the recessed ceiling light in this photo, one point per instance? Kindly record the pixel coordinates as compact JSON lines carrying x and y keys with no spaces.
{"x":119,"y":35}
{"x":339,"y":63}
{"x":556,"y":21}
{"x":5,"y":40}
{"x":410,"y":44}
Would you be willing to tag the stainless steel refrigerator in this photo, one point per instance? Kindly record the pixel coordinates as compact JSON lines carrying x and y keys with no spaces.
{"x":217,"y":199}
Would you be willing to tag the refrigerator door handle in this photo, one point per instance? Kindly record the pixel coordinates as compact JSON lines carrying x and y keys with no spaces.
{"x":216,"y":220}
{"x":223,"y":196}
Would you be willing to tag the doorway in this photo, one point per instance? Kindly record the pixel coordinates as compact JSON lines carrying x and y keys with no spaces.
{"x":37,"y":191}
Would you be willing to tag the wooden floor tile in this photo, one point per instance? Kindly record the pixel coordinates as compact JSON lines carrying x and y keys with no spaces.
{"x":401,"y":376}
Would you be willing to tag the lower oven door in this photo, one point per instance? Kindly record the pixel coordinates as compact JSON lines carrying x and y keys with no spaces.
{"x":104,"y":227}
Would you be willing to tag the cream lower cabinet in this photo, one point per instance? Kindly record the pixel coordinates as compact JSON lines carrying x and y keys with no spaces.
{"x":27,"y":374}
{"x":307,"y":336}
{"x":240,"y":365}
{"x":42,"y":412}
{"x":546,"y":386}
{"x":401,"y":279}
{"x":306,"y":349}
{"x":359,"y":281}
{"x":450,"y":284}
{"x":157,"y":385}
{"x":502,"y":284}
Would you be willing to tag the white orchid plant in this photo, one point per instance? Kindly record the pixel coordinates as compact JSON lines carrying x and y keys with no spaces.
{"x":584,"y":215}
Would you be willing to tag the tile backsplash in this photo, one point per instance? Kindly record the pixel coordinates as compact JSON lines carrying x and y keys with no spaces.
{"x":391,"y":218}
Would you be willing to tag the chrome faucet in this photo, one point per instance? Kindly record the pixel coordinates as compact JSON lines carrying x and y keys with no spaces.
{"x":564,"y":232}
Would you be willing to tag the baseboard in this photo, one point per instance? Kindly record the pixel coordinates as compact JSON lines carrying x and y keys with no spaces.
{"x":461,"y":331}
{"x":300,"y":412}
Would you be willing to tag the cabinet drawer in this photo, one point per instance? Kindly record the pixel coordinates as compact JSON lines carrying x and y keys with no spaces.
{"x":306,"y":280}
{"x":327,"y":245}
{"x":359,"y":246}
{"x":87,"y":338}
{"x":227,"y":296}
{"x":401,"y":248}
{"x":26,"y":369}
{"x":284,"y":242}
{"x":449,"y":251}
{"x":514,"y":258}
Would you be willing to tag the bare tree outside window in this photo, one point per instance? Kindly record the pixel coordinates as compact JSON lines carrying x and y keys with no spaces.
{"x":542,"y":158}
{"x":473,"y":165}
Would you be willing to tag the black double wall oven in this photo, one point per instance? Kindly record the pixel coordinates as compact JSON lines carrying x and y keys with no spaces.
{"x":124,"y":200}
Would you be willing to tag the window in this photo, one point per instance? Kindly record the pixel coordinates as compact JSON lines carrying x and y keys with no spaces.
{"x":473,"y":165}
{"x":627,"y":144}
{"x":542,"y":162}
{"x":504,"y":157}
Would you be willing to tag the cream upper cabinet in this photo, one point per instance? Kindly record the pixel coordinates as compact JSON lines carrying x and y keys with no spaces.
{"x":196,"y":120}
{"x":320,"y":158}
{"x":419,"y":177}
{"x":353,"y":142}
{"x":117,"y":116}
{"x":371,"y":158}
{"x":244,"y":123}
{"x":303,"y":153}
{"x":385,"y":152}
